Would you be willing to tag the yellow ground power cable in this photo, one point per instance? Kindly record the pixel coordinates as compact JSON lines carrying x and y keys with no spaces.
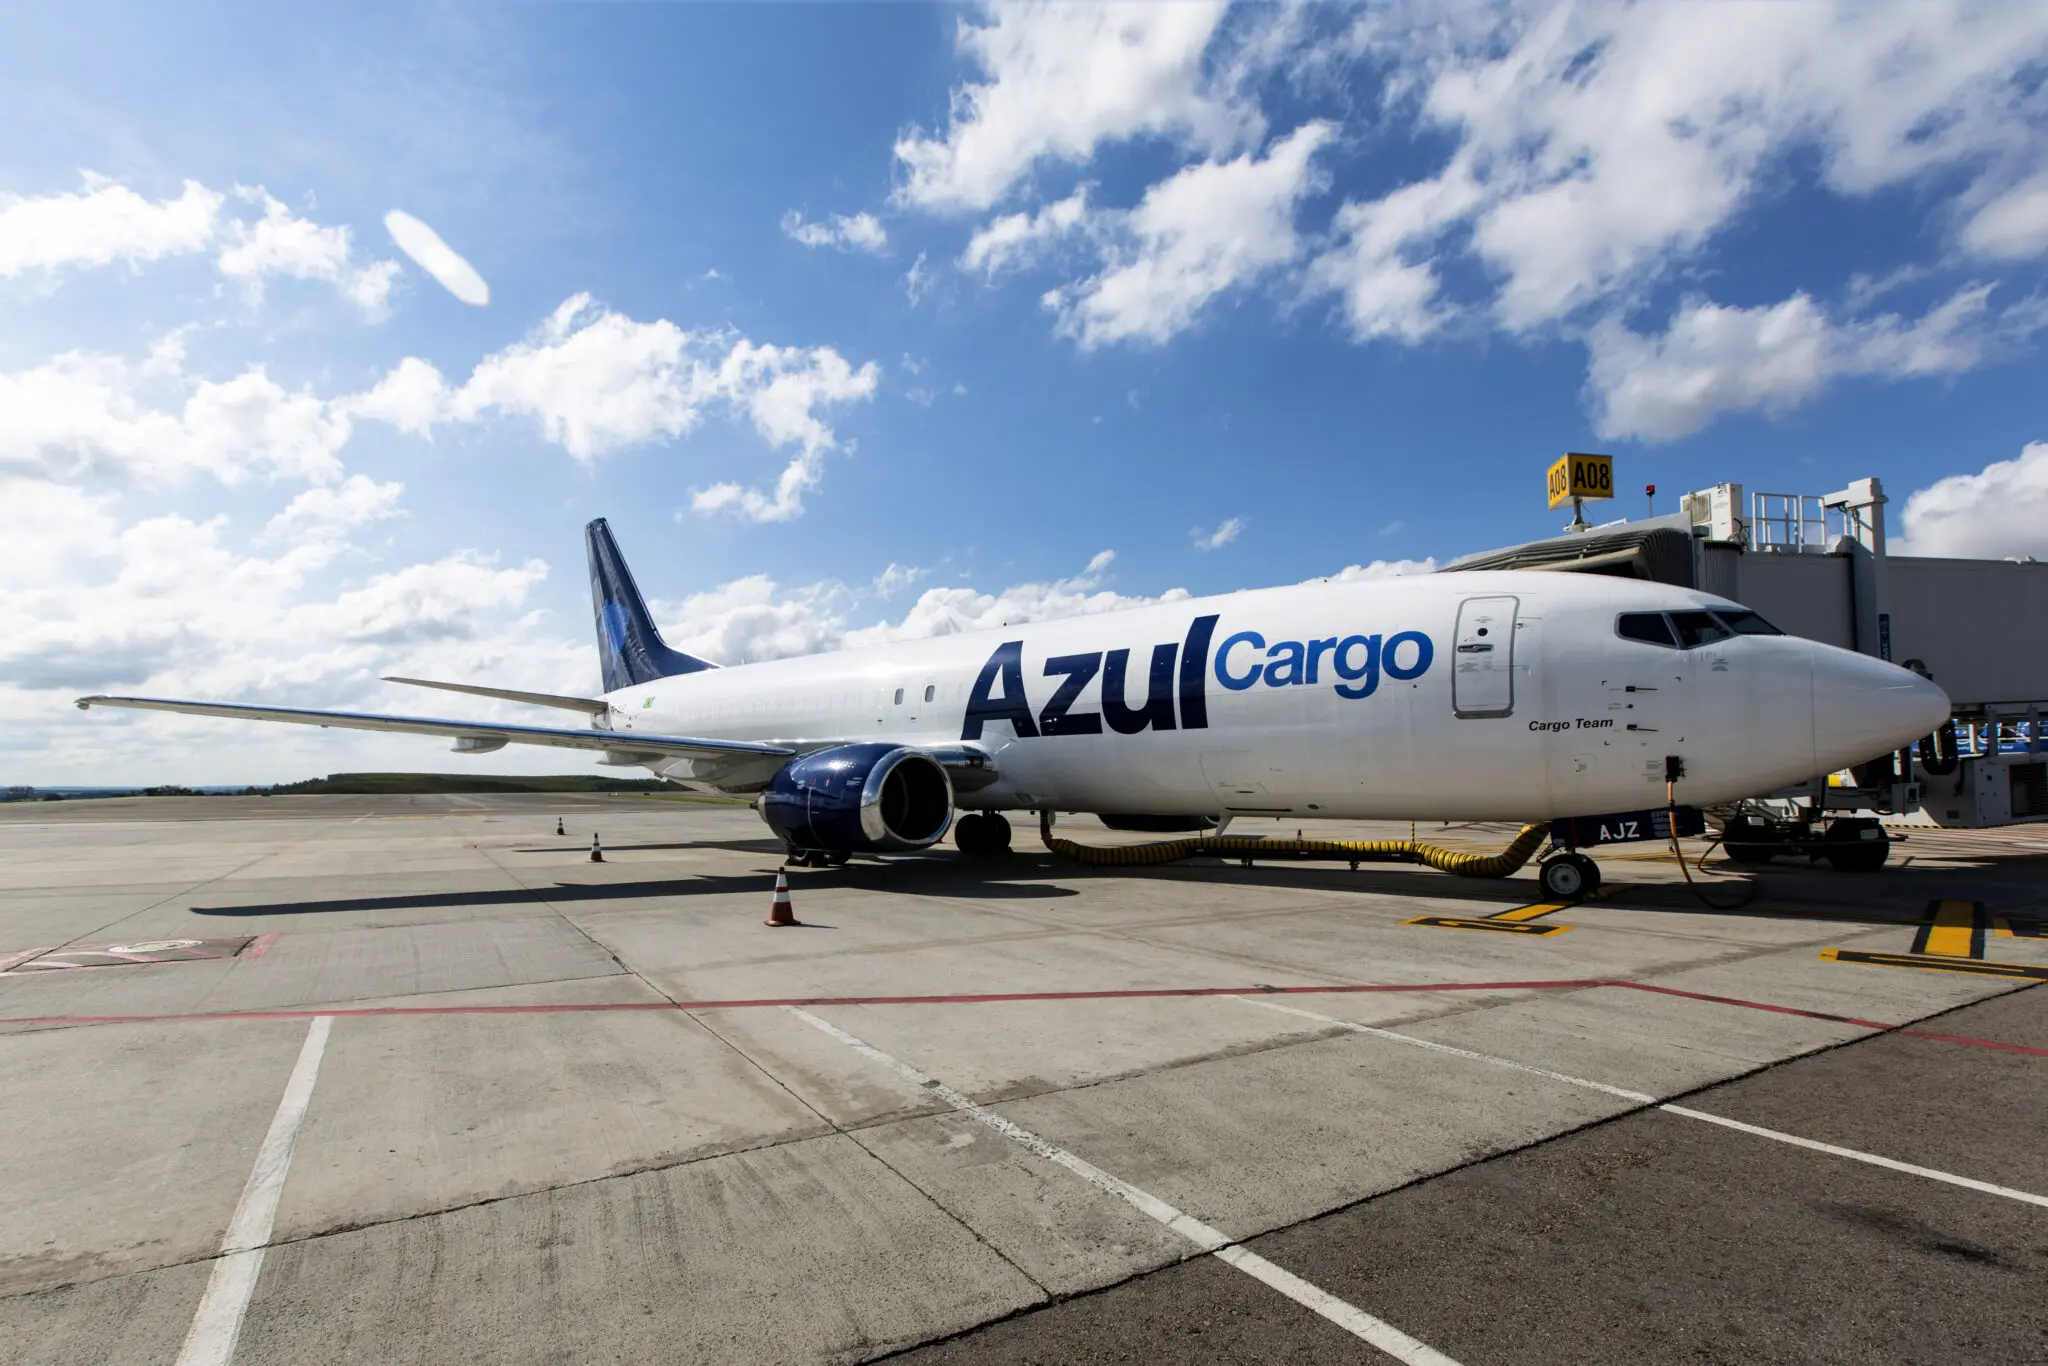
{"x":1506,"y":862}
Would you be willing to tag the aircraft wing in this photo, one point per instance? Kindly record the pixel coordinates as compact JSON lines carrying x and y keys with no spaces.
{"x":481,"y":734}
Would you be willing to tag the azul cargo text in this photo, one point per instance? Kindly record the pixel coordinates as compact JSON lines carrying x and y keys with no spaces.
{"x":1352,"y":665}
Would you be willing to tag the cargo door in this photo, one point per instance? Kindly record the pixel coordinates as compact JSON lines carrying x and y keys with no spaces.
{"x":1483,"y":678}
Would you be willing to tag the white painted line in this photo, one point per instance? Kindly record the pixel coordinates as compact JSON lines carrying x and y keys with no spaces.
{"x":1637,"y":1096}
{"x":211,"y":1339}
{"x":1852,"y":1154}
{"x":1345,"y":1315}
{"x":1855,"y":1156}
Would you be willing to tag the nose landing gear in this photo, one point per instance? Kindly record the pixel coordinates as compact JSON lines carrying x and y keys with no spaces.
{"x":1569,"y":877}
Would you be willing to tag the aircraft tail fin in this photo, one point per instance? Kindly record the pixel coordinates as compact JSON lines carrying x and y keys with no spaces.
{"x":629,"y":647}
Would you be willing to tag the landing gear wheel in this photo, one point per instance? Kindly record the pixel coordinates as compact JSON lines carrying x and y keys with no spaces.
{"x":1856,"y":844}
{"x":982,"y":835}
{"x":1749,"y":841}
{"x":1569,"y":877}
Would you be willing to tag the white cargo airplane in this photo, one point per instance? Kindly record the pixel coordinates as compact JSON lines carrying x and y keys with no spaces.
{"x":1457,"y":696}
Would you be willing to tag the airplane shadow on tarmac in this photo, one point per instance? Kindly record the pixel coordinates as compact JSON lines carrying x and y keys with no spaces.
{"x":1785,"y":891}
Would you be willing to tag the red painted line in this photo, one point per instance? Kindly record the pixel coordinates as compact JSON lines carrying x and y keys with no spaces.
{"x":1754,"y":1005}
{"x":1978,"y":1043}
{"x":991,"y":998}
{"x":1835,"y":1019}
{"x":258,"y":946}
{"x":763,"y":1002}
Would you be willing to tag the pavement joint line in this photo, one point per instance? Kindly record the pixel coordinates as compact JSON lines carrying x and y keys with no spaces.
{"x":1344,"y":1314}
{"x":1652,"y":1103}
{"x":773,"y":1080}
{"x":218,"y":1322}
{"x":30,"y":1022}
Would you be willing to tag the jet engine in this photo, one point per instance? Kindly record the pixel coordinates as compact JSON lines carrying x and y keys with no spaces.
{"x":866,"y":798}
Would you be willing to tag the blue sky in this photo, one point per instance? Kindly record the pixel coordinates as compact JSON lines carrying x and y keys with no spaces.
{"x":861,"y":322}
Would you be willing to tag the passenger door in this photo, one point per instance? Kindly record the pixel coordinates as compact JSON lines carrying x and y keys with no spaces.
{"x":1483,"y":678}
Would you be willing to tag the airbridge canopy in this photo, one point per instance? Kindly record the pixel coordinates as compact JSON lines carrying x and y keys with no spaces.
{"x":1823,"y":572}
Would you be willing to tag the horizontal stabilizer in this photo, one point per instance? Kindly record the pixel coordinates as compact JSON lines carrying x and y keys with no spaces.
{"x":589,"y":705}
{"x":625,"y":742}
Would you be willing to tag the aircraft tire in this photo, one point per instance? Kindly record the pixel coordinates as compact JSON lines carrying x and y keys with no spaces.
{"x":982,"y":835}
{"x":1569,"y":877}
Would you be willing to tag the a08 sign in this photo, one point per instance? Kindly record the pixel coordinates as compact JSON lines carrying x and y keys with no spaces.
{"x":1581,"y":476}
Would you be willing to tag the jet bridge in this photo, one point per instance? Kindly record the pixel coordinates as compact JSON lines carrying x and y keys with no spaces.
{"x":1817,"y":566}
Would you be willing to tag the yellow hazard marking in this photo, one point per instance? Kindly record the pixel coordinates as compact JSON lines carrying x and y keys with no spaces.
{"x":1536,"y":912}
{"x":1493,"y":923}
{"x":1937,"y":963}
{"x":2020,"y":927}
{"x":1955,"y":930}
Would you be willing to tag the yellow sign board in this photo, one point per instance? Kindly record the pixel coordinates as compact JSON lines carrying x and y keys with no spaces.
{"x":1581,"y":476}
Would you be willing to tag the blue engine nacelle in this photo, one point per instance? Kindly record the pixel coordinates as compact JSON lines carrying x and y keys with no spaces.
{"x":866,"y":798}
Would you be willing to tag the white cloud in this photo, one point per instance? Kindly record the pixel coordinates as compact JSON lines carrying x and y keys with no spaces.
{"x":442,"y":261}
{"x":1713,"y":359}
{"x":1598,"y":146}
{"x":1061,"y":80}
{"x":896,"y":578}
{"x":1384,"y":569}
{"x":174,"y":606}
{"x":862,"y":232}
{"x":101,"y":224}
{"x":2000,"y":511}
{"x":595,"y":380}
{"x":1019,"y":239}
{"x":917,"y":281}
{"x":323,"y":512}
{"x":781,"y":388}
{"x":107,"y":222}
{"x":281,"y":243}
{"x":81,"y":414}
{"x":1202,"y":231}
{"x":1223,"y":535}
{"x":2013,"y":225}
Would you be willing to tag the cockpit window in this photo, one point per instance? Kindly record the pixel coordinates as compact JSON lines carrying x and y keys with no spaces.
{"x":1648,"y":627}
{"x":1745,"y":623}
{"x":1698,"y":628}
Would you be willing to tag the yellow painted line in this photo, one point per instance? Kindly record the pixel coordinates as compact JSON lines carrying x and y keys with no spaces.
{"x":1535,"y":912}
{"x":1955,"y":930}
{"x":1937,"y":963}
{"x":2020,"y":927}
{"x":1543,"y":908}
{"x":1493,"y":923}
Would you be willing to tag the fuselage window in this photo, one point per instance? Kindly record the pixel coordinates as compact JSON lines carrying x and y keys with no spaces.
{"x":1746,"y":623}
{"x":1698,"y":628}
{"x":899,"y":697}
{"x":930,"y":691}
{"x":1649,"y":627}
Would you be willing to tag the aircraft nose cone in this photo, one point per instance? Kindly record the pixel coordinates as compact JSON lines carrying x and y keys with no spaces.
{"x":1863,"y":707}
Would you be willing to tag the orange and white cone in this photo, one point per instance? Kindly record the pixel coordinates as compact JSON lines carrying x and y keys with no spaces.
{"x":779,"y":912}
{"x":596,"y":849}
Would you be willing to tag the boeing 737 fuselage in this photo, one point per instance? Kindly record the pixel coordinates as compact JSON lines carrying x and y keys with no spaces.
{"x":1458,"y":696}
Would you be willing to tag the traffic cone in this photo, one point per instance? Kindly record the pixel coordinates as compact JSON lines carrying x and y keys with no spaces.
{"x":558,"y":826}
{"x":596,"y":850}
{"x":780,"y":913}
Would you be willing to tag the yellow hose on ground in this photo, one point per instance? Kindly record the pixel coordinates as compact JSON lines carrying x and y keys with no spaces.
{"x":1506,"y":862}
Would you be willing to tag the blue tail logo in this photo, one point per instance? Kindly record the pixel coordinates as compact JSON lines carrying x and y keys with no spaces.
{"x":630,"y":649}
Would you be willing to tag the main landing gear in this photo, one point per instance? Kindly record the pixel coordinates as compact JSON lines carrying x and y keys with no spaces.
{"x":1569,"y":877}
{"x":982,"y":835}
{"x":1854,"y":844}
